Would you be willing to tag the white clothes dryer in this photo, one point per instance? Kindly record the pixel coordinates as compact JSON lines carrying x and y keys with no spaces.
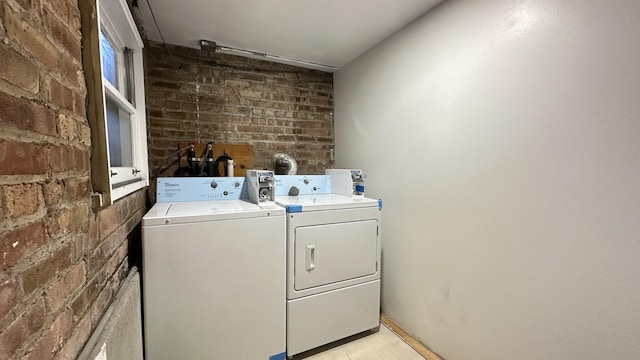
{"x":333,"y":262}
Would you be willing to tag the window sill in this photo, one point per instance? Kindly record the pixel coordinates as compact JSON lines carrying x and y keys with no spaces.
{"x":128,"y":188}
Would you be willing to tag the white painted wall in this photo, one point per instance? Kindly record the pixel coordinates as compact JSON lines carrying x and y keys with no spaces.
{"x":512,"y":228}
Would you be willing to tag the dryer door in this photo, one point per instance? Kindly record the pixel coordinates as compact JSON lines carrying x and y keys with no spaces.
{"x":331,"y":253}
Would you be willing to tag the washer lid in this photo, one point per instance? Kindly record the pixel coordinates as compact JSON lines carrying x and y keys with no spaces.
{"x":210,"y":207}
{"x":194,"y":211}
{"x":321,"y":202}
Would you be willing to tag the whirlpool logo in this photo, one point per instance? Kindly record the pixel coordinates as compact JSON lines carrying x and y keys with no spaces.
{"x":171,"y":184}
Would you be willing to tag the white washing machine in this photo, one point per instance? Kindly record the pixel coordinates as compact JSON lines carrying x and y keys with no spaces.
{"x":333,"y":262}
{"x":213,"y":273}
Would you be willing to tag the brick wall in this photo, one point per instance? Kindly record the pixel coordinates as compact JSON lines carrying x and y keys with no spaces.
{"x":274,"y":107}
{"x":61,"y":262}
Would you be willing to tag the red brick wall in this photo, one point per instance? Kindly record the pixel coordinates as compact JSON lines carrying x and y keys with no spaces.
{"x":274,"y":107}
{"x":61,"y":262}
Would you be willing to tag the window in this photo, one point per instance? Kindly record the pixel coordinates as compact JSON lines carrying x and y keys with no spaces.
{"x":114,"y":69}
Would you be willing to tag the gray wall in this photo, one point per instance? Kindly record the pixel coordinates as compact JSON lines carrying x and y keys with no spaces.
{"x":118,"y":335}
{"x":504,"y":138}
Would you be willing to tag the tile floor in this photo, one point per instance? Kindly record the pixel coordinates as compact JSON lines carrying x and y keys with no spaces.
{"x":383,"y":345}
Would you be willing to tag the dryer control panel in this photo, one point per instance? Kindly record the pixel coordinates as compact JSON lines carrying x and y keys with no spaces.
{"x":347,"y":182}
{"x":294,"y":185}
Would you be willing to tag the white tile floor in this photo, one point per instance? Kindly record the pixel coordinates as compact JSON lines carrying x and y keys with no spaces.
{"x":383,"y":345}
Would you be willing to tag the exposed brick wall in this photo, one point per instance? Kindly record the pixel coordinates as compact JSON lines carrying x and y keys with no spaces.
{"x":274,"y":107}
{"x":61,"y":262}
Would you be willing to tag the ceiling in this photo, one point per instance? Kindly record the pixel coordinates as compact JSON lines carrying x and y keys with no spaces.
{"x":328,"y":32}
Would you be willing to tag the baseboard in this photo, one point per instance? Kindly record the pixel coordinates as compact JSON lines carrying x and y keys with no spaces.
{"x":410,"y":340}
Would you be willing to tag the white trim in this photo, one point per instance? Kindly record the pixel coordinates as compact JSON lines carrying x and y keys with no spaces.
{"x":121,"y":19}
{"x":116,"y":22}
{"x":124,"y":175}
{"x":116,"y":96}
{"x":110,"y":31}
{"x":140,"y":132}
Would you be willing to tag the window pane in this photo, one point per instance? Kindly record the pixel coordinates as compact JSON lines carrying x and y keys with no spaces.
{"x":119,"y":129}
{"x":109,"y":60}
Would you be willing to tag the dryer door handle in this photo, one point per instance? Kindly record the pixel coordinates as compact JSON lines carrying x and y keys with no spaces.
{"x":310,"y":257}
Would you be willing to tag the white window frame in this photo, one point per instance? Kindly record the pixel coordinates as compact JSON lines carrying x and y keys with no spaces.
{"x":113,"y":18}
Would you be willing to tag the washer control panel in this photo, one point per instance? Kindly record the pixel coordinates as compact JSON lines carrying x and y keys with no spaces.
{"x":176,"y":189}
